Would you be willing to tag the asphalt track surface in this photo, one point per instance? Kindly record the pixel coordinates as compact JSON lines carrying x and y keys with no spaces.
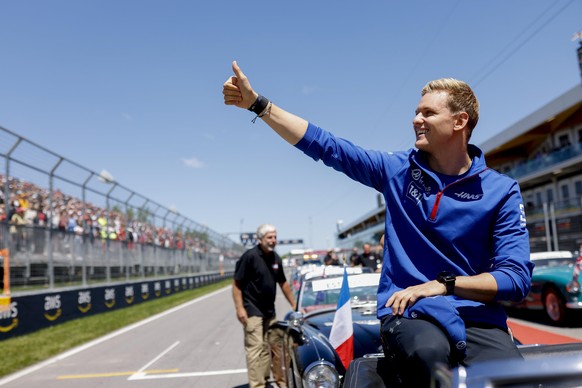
{"x":197,"y":344}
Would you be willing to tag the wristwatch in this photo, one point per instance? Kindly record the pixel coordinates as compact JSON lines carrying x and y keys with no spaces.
{"x":448,"y":279}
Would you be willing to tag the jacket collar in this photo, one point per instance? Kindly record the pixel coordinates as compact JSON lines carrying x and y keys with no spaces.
{"x":420,"y":158}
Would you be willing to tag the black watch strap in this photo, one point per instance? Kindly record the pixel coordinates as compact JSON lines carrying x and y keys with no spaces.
{"x":448,"y":279}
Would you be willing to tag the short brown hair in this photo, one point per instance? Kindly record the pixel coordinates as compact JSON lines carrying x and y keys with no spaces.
{"x":461,"y":98}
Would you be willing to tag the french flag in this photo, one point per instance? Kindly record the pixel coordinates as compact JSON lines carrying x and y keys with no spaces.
{"x":342,"y":330}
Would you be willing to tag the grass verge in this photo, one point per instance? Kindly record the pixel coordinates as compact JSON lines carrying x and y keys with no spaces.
{"x":29,"y":349}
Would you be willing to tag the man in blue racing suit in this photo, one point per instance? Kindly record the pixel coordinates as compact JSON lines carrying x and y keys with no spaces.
{"x":456,"y":239}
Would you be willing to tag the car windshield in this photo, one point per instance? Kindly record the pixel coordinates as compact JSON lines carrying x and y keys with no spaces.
{"x":554,"y":262}
{"x":322,"y":293}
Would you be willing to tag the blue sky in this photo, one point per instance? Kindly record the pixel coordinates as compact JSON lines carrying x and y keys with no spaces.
{"x":135,"y":87}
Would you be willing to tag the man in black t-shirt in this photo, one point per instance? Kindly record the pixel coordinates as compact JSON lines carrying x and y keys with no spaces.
{"x":370,"y":259}
{"x":354,"y":257}
{"x":254,"y":290}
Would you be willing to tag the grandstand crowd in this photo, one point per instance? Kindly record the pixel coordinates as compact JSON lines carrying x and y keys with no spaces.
{"x":29,"y":206}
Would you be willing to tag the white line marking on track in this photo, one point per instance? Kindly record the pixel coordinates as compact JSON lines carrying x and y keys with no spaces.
{"x":105,"y":338}
{"x":145,"y":376}
{"x":140,"y":372}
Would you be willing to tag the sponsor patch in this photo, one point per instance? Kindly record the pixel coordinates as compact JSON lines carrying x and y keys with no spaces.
{"x":468,"y":196}
{"x":414,"y":192}
{"x":416,"y":174}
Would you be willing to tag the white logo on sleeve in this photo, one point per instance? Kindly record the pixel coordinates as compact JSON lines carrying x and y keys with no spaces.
{"x":522,"y":221}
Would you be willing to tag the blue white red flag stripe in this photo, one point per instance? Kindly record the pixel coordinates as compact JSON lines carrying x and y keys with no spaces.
{"x":342,"y":330}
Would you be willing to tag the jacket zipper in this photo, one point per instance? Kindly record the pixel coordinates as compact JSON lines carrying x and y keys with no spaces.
{"x":439,"y":195}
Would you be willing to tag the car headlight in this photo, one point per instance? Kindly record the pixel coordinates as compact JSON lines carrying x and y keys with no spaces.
{"x":321,"y":374}
{"x":295,"y":319}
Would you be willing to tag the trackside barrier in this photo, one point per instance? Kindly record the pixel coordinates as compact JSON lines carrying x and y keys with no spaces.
{"x":5,"y":280}
{"x":4,"y":303}
{"x":28,"y":313}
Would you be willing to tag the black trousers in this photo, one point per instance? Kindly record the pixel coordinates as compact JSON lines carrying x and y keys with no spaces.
{"x":415,"y":346}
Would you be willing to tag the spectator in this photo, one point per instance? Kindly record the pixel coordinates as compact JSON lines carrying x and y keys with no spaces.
{"x":17,"y":230}
{"x":331,"y":258}
{"x":369,"y":259}
{"x":354,"y":257}
{"x":39,"y":223}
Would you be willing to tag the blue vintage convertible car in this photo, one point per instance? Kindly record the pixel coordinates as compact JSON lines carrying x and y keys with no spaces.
{"x":555,"y":285}
{"x":310,"y":359}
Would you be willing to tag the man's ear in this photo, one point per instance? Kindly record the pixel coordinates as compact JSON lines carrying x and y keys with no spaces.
{"x":461,"y":120}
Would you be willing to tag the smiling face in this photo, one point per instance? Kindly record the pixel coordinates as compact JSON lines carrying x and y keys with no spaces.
{"x":434,"y":122}
{"x":268,"y":242}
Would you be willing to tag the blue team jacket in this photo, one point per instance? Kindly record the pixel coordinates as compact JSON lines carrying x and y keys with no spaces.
{"x":474,"y":224}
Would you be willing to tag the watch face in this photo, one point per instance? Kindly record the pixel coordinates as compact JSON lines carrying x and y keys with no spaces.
{"x":446,"y":276}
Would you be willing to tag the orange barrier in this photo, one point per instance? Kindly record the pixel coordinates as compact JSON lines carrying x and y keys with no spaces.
{"x":5,"y":297}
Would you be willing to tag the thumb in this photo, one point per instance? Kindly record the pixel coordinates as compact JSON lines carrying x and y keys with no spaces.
{"x":241,"y":81}
{"x":237,"y":71}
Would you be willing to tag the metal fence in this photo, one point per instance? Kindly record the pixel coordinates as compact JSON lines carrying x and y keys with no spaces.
{"x":64,"y":224}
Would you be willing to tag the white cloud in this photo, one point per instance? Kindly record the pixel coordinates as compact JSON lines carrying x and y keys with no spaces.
{"x":193,"y":162}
